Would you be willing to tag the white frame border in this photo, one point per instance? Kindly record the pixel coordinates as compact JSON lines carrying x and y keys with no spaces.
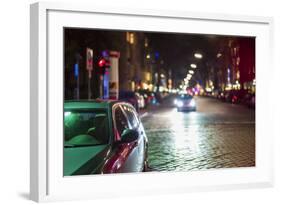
{"x":39,"y":96}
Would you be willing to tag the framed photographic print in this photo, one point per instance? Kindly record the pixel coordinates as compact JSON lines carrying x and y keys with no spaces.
{"x":128,"y":102}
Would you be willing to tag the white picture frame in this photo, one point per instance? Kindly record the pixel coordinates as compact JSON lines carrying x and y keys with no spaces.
{"x":46,"y":102}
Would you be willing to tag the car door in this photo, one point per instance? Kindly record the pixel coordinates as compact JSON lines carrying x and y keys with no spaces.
{"x":125,"y":155}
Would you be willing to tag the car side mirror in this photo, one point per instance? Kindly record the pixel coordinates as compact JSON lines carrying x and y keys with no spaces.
{"x":129,"y":136}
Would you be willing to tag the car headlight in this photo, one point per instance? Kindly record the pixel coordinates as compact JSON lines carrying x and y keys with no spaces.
{"x":179,"y":103}
{"x":192,"y":103}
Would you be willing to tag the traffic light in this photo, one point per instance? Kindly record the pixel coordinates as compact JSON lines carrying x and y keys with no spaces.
{"x":103,"y":64}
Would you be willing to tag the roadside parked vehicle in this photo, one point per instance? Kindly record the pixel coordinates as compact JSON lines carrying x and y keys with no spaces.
{"x":185,"y":102}
{"x":103,"y":137}
{"x":250,"y":100}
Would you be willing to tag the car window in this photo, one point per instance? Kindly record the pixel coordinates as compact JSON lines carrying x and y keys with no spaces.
{"x":185,"y":97}
{"x":121,"y":121}
{"x":85,"y":128}
{"x":131,"y":116}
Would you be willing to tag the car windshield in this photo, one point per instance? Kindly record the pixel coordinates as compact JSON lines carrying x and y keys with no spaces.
{"x":85,"y":128}
{"x":184,"y":97}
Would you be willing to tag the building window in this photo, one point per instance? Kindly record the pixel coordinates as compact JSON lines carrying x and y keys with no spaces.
{"x":145,"y":42}
{"x":127,"y":36}
{"x":132,"y":38}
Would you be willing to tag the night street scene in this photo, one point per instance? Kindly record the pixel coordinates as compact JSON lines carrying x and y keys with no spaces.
{"x":137,"y":101}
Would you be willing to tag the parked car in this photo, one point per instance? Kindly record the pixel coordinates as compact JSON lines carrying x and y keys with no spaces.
{"x":235,"y":96}
{"x":185,"y":102}
{"x":103,"y":137}
{"x":250,"y":100}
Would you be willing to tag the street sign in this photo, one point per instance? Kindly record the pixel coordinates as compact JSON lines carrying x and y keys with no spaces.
{"x":89,"y":67}
{"x":89,"y":61}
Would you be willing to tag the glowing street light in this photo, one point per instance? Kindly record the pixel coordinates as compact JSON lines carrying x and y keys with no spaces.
{"x":198,"y":55}
{"x":191,"y":71}
{"x":193,"y":65}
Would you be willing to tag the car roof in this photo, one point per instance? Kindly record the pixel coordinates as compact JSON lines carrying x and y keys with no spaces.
{"x":89,"y":104}
{"x":184,"y":95}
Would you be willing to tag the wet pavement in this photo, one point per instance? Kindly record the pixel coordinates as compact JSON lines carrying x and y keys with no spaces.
{"x":217,"y":135}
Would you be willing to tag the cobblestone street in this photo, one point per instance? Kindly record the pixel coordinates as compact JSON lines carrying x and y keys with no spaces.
{"x":217,"y":135}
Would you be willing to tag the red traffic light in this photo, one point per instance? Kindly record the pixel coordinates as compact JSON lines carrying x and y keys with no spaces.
{"x":102,"y":63}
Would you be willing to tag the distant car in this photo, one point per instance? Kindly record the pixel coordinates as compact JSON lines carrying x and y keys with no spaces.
{"x":141,"y":101}
{"x":130,"y":97}
{"x":103,"y":137}
{"x":185,"y":102}
{"x":149,"y":97}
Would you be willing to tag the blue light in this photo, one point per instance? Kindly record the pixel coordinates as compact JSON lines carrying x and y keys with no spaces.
{"x":157,"y":55}
{"x":76,"y":70}
{"x":105,"y":53}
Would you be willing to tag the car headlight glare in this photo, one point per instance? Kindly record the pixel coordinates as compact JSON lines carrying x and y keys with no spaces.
{"x":192,"y":103}
{"x":179,"y":103}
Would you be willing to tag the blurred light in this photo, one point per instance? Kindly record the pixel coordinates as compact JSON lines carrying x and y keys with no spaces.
{"x":179,"y":103}
{"x":219,"y":55}
{"x":157,"y":55}
{"x":198,"y":55}
{"x":228,"y":70}
{"x":192,"y":103}
{"x":146,"y":42}
{"x":208,"y":89}
{"x":132,"y":38}
{"x":191,"y":71}
{"x":102,"y":63}
{"x":147,"y":56}
{"x":67,"y":114}
{"x":189,"y":76}
{"x":193,"y":65}
{"x":162,"y":75}
{"x":105,"y":53}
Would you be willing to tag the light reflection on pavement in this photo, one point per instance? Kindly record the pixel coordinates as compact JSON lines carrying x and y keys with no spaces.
{"x":217,"y":135}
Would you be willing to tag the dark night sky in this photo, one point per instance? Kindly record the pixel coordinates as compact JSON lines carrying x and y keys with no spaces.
{"x":177,"y":50}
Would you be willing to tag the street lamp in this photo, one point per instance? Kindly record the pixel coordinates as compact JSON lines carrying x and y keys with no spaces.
{"x":191,"y":71}
{"x":193,"y":65}
{"x":198,"y":55}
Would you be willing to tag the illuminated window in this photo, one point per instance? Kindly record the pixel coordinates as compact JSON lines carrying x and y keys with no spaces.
{"x":127,"y":36}
{"x":146,"y":42}
{"x":132,"y":38}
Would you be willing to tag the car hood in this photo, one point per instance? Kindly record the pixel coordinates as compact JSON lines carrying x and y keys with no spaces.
{"x":83,"y":160}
